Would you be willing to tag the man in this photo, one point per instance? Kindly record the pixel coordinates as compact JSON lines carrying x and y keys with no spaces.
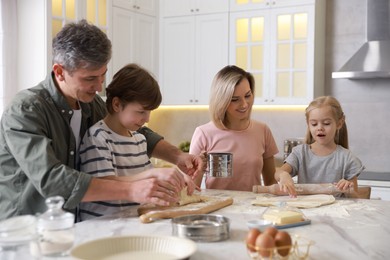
{"x":41,"y":129}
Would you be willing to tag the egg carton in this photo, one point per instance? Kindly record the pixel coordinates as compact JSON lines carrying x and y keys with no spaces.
{"x":298,"y":250}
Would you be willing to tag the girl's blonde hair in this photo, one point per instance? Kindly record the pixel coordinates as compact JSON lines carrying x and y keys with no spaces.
{"x":341,"y":136}
{"x":222,"y":90}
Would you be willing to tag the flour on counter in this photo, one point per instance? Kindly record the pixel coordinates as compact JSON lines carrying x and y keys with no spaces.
{"x":341,"y":209}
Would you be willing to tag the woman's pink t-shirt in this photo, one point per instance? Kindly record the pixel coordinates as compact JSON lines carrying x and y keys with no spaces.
{"x":249,"y":147}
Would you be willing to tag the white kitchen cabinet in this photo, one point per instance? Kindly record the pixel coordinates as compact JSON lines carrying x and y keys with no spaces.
{"x":194,"y":48}
{"x":283,"y":47}
{"x":134,"y":38}
{"x":379,"y":189}
{"x":382,"y":193}
{"x":190,"y":7}
{"x":245,"y":5}
{"x":148,"y":7}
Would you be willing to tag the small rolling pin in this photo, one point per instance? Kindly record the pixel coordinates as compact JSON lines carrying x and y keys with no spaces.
{"x":303,"y":189}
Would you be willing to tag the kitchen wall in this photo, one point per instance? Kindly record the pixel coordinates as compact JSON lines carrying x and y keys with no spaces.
{"x":365,"y":102}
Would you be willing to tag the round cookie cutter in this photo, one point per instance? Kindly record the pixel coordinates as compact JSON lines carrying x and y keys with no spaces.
{"x":201,"y":227}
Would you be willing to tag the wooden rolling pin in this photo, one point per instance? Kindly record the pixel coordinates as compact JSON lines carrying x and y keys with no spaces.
{"x":148,"y":215}
{"x":303,"y":189}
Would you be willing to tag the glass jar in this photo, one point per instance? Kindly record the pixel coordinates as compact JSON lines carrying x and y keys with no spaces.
{"x":55,"y":228}
{"x":19,"y":239}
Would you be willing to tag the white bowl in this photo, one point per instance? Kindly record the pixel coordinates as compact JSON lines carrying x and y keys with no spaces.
{"x":19,"y":229}
{"x":260,"y":224}
{"x":135,"y":247}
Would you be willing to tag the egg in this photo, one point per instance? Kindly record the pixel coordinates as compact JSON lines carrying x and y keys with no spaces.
{"x":251,"y":239}
{"x":283,"y":240}
{"x":271,"y":231}
{"x":265,"y":245}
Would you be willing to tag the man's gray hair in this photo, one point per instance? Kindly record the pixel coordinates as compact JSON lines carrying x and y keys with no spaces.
{"x":81,"y":45}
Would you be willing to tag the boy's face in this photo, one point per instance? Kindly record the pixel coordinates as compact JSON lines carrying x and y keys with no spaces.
{"x":133,"y":116}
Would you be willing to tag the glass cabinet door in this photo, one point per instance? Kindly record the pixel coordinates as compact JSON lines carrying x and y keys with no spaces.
{"x":276,"y":46}
{"x":96,"y":13}
{"x":63,"y":12}
{"x":291,"y":49}
{"x":250,"y":47}
{"x":66,"y":11}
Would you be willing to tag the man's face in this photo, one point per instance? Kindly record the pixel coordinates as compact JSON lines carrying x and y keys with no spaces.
{"x":82,"y":84}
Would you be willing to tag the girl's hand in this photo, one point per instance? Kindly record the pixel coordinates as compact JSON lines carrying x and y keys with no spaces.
{"x":286,"y":184}
{"x":344,"y":185}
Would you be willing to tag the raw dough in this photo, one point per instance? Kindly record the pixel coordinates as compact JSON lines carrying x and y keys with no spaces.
{"x":302,"y":201}
{"x":185,"y":199}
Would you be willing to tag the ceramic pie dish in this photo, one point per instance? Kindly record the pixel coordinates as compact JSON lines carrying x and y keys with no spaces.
{"x":135,"y":247}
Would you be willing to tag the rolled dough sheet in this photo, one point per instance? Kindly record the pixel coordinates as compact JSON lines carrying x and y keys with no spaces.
{"x":301,"y":201}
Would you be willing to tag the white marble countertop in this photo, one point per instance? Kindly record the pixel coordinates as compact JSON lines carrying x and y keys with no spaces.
{"x":347,"y":229}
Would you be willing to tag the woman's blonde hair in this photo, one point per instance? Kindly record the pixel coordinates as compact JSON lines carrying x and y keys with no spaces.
{"x":222,"y":90}
{"x":341,"y":136}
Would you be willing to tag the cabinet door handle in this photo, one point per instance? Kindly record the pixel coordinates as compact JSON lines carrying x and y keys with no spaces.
{"x":192,"y":10}
{"x":197,"y":9}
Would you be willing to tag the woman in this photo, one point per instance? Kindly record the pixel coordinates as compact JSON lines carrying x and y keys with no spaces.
{"x":232,"y":130}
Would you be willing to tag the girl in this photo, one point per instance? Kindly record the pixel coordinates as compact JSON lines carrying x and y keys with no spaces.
{"x":232,"y":130}
{"x":324,"y":158}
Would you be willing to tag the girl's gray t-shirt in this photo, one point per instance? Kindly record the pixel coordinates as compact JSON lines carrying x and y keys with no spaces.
{"x":311,"y":168}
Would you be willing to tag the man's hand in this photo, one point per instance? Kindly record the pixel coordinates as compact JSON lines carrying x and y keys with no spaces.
{"x":193,"y":165}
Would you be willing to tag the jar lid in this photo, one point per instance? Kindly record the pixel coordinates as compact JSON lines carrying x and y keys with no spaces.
{"x":55,"y":217}
{"x":18,"y":229}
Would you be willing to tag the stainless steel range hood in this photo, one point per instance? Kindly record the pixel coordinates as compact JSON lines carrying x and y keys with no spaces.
{"x":372,"y":60}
